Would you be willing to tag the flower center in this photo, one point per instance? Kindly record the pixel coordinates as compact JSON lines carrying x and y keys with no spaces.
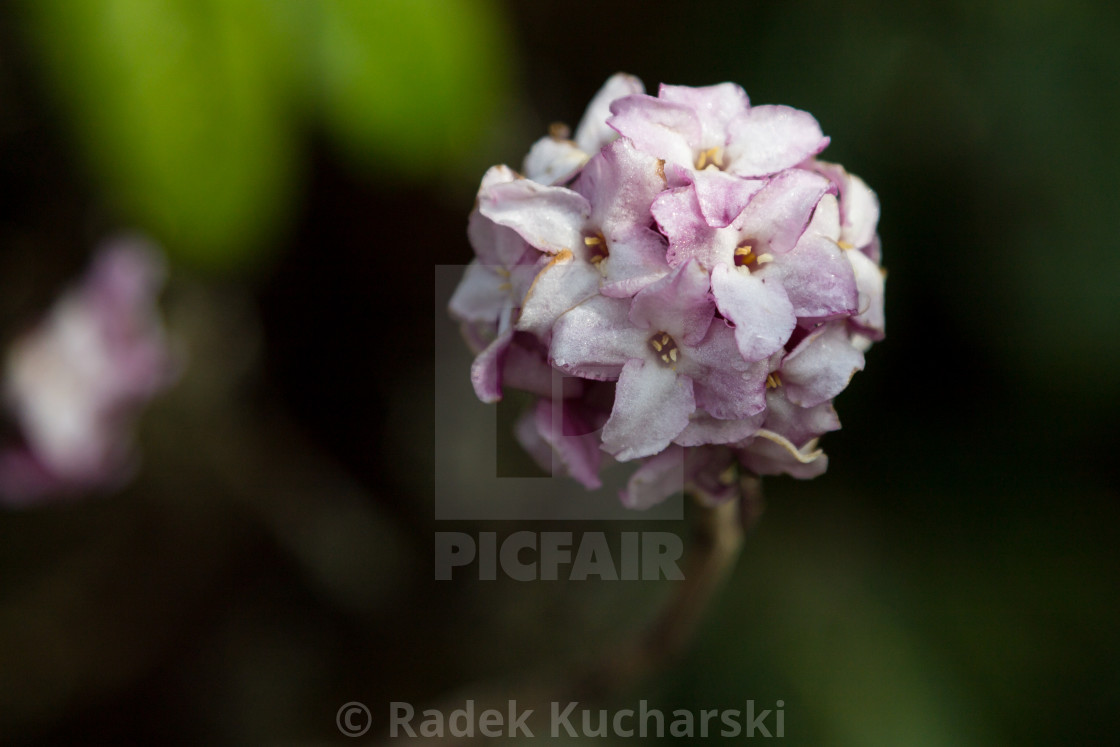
{"x":710,"y":157}
{"x":665,"y":347}
{"x":745,"y":257}
{"x":596,"y":248}
{"x":773,"y":380}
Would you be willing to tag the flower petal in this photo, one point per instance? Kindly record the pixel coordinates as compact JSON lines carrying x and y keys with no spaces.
{"x":552,"y":160}
{"x":549,"y":218}
{"x":593,"y":132}
{"x":715,"y":106}
{"x":771,"y":138}
{"x":870,"y":318}
{"x":562,"y":284}
{"x":798,"y":424}
{"x":859,"y":207}
{"x":704,"y":429}
{"x":620,"y":183}
{"x":761,"y":311}
{"x":772,"y":454}
{"x":776,"y":217}
{"x":817,"y":278}
{"x":821,"y":366}
{"x":636,"y":260}
{"x":493,"y":244}
{"x":486,"y":370}
{"x":659,"y":477}
{"x":651,"y":407}
{"x":573,"y":439}
{"x":526,"y":367}
{"x":725,"y":385}
{"x":480,"y":295}
{"x":660,"y":128}
{"x":722,"y":196}
{"x":595,"y":339}
{"x":678,"y":304}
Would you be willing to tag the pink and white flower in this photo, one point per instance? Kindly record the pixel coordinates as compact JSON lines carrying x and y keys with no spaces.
{"x":76,"y":382}
{"x":688,"y":258}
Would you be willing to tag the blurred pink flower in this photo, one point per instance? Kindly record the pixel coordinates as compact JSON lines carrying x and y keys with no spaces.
{"x":76,"y":382}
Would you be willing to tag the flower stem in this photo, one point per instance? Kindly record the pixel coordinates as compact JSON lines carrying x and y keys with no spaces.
{"x":717,"y":539}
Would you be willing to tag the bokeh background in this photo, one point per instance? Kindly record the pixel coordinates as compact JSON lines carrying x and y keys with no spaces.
{"x":953,"y":578}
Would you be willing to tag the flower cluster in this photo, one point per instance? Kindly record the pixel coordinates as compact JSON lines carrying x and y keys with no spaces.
{"x":680,"y":279}
{"x":75,"y":382}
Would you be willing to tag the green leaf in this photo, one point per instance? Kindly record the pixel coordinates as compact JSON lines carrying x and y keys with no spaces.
{"x":410,"y":85}
{"x":180,"y":107}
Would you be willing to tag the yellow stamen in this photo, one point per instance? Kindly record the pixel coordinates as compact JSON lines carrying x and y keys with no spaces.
{"x":559,"y":131}
{"x":727,"y":477}
{"x":661,"y":169}
{"x":709,"y":157}
{"x":596,"y":248}
{"x":773,"y":380}
{"x":665,"y":348}
{"x":505,"y":286}
{"x":845,"y":245}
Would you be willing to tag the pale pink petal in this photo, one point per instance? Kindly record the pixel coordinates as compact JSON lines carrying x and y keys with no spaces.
{"x":798,"y":424}
{"x":704,"y":429}
{"x":486,"y":370}
{"x":550,"y":218}
{"x":526,"y":367}
{"x":821,"y":366}
{"x":771,"y":454}
{"x":494,"y":245}
{"x":761,"y":312}
{"x":651,"y":407}
{"x":776,"y":217}
{"x":659,"y":477}
{"x":553,"y":160}
{"x":677,"y":212}
{"x":481,"y":295}
{"x":817,"y":278}
{"x":595,"y":339}
{"x":593,"y":132}
{"x":573,"y":438}
{"x":722,"y":196}
{"x":859,"y":207}
{"x":562,"y":284}
{"x":869,"y":318}
{"x":636,"y":260}
{"x":772,"y":138}
{"x":660,"y":128}
{"x":716,"y":107}
{"x":678,"y":304}
{"x":725,"y":385}
{"x":620,"y":183}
